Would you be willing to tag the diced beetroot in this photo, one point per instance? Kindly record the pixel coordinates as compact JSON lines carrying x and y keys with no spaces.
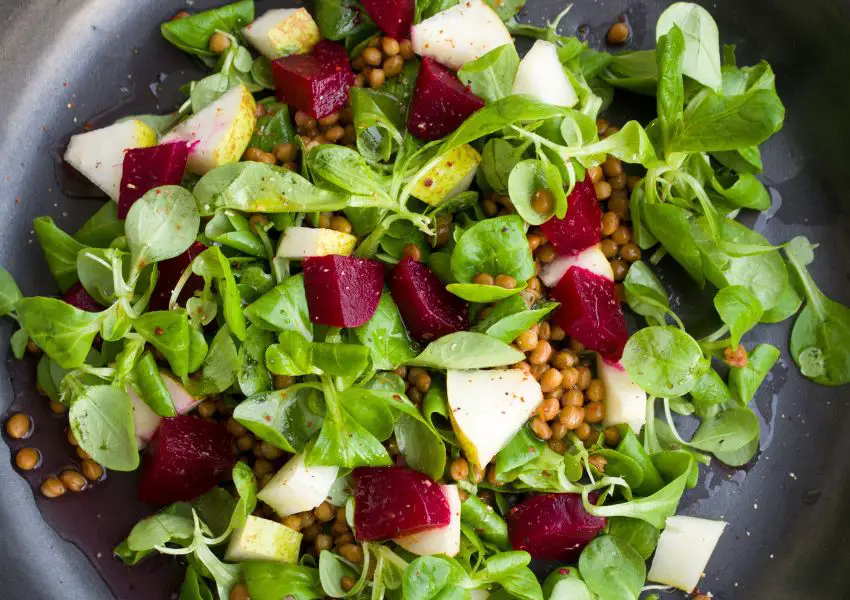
{"x":581,"y":227}
{"x":316,"y":83}
{"x":170,"y":272}
{"x":553,"y":526}
{"x":148,"y":168}
{"x":428,"y":310}
{"x":394,"y":501}
{"x":393,"y":17}
{"x":342,"y":291}
{"x":440,"y":102}
{"x":187,"y":457}
{"x":78,"y":297}
{"x":591,"y":313}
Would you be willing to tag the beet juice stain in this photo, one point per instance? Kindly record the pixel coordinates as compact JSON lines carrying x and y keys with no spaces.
{"x":98,"y":518}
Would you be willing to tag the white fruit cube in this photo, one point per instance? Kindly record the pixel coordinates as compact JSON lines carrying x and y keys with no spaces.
{"x":262,"y":539}
{"x":444,"y":540}
{"x":542,"y":76}
{"x":303,"y":242}
{"x":684,"y":549}
{"x":591,"y":259}
{"x":625,"y":401}
{"x":283,"y":31}
{"x":297,"y":488}
{"x":452,"y":175}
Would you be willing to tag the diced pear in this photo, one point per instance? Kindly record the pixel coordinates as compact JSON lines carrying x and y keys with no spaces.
{"x":145,"y":420}
{"x":183,"y":401}
{"x":297,"y":488}
{"x":262,"y":539}
{"x":625,"y":401}
{"x":488,"y":407}
{"x":542,"y":76}
{"x":283,"y":31}
{"x":684,"y":549}
{"x":591,"y":259}
{"x":220,"y":131}
{"x":451,"y":176}
{"x":303,"y":242}
{"x":99,"y":154}
{"x":444,"y":540}
{"x":460,"y":34}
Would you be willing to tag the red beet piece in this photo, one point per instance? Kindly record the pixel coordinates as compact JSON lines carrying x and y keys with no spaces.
{"x":440,"y":102}
{"x":590,"y":312}
{"x":316,"y":83}
{"x":170,"y":272}
{"x":581,"y":227}
{"x":148,"y":168}
{"x":428,"y":310}
{"x":187,"y":457}
{"x":393,"y":17}
{"x":78,"y":297}
{"x":342,"y":291}
{"x":553,"y":526}
{"x":393,"y":501}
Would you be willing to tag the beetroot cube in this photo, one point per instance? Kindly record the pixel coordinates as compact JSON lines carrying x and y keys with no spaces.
{"x":316,"y":83}
{"x":428,"y":310}
{"x":591,"y":313}
{"x":440,"y":102}
{"x":170,"y":272}
{"x":393,"y":17}
{"x":187,"y":457}
{"x":148,"y":168}
{"x":553,"y":526}
{"x":394,"y":501}
{"x":342,"y":291}
{"x":581,"y":227}
{"x":78,"y":297}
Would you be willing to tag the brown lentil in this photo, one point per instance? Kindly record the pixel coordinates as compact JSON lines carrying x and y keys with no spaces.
{"x":406,"y":49}
{"x":32,"y":347}
{"x":584,"y":378}
{"x":572,"y":417}
{"x":459,"y":469}
{"x":563,"y":359}
{"x":598,"y":462}
{"x":347,"y":582}
{"x":595,"y":173}
{"x":542,"y":201}
{"x":262,"y":466}
{"x":620,"y":269}
{"x":27,"y":459}
{"x":181,"y":15}
{"x":618,"y":34}
{"x":351,"y":552}
{"x":618,"y":182}
{"x":582,"y":431}
{"x":541,"y":353}
{"x":557,"y":334}
{"x":341,"y":224}
{"x":372,"y":56}
{"x":283,"y":381}
{"x":206,"y":409}
{"x":376,"y":78}
{"x":323,"y":542}
{"x":476,"y":474}
{"x":601,"y":126}
{"x":52,"y":487}
{"x":236,"y":428}
{"x":293,"y":522}
{"x":527,"y":341}
{"x":630,"y":252}
{"x":393,"y":66}
{"x":307,"y":518}
{"x":505,"y":281}
{"x":239,"y":592}
{"x":311,"y":532}
{"x":82,"y":453}
{"x":484,"y":279}
{"x":549,"y":408}
{"x":412,"y":251}
{"x":594,"y":412}
{"x":596,"y":390}
{"x":19,"y":426}
{"x":73,"y":480}
{"x":219,"y":42}
{"x":612,"y":166}
{"x":334,"y":134}
{"x":325,"y":512}
{"x":541,"y":428}
{"x":610,"y":223}
{"x":608,"y":247}
{"x":546,"y":254}
{"x":91,"y":470}
{"x":603,"y":190}
{"x":612,"y":436}
{"x":618,"y":204}
{"x":559,"y":430}
{"x":550,"y":381}
{"x":574,"y":397}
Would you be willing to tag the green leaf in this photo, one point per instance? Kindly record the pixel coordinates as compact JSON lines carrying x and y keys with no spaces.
{"x":630,"y":446}
{"x":209,"y":89}
{"x":638,"y":534}
{"x":9,"y":293}
{"x":18,"y":343}
{"x":467,"y":350}
{"x":742,"y":190}
{"x":253,"y":375}
{"x":194,"y":587}
{"x":421,"y":447}
{"x":482,"y":293}
{"x":739,"y":308}
{"x":102,"y":228}
{"x":378,"y":118}
{"x":672,"y":226}
{"x":102,"y":421}
{"x":232,"y":229}
{"x":168,"y":332}
{"x":631,"y":144}
{"x":727,"y":431}
{"x":212,"y":264}
{"x":708,"y":391}
{"x":433,"y":578}
{"x":152,"y":389}
{"x":670,"y":99}
{"x":64,"y":332}
{"x":494,"y":246}
{"x":523,"y":448}
{"x":340,"y":19}
{"x":193,"y":33}
{"x":60,"y":251}
{"x":344,"y":168}
{"x":220,"y":367}
{"x":491,"y":77}
{"x":507,"y":327}
{"x":253,"y":187}
{"x":701,"y":41}
{"x":161,"y":224}
{"x":498,"y":160}
{"x":282,"y":418}
{"x":332,"y":568}
{"x":345,"y":442}
{"x":386,"y":336}
{"x":273,"y":128}
{"x":96,"y":277}
{"x":566,"y":583}
{"x":645,"y":294}
{"x":526,"y":178}
{"x":612,"y":569}
{"x":283,"y":308}
{"x":664,"y":361}
{"x":267,"y":580}
{"x":745,"y":381}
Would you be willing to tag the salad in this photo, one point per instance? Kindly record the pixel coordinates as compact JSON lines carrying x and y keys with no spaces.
{"x":375,"y":312}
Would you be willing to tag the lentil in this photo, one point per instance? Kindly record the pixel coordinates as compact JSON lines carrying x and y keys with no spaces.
{"x":505,"y":281}
{"x":572,"y":417}
{"x":324,"y":512}
{"x":542,"y":201}
{"x":483,"y":279}
{"x":52,"y":487}
{"x":19,"y":426}
{"x":73,"y":480}
{"x":598,"y":462}
{"x":219,"y":42}
{"x":618,"y":34}
{"x":293,"y":522}
{"x":541,"y":428}
{"x":27,"y":459}
{"x":239,"y":592}
{"x":91,"y":470}
{"x":612,"y":436}
{"x":412,"y":251}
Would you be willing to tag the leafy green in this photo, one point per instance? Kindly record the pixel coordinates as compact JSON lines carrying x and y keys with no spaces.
{"x":511,"y":317}
{"x":701,"y":41}
{"x":60,"y":251}
{"x":467,"y":350}
{"x":102,"y":421}
{"x":819,"y":339}
{"x":211,"y":264}
{"x":192,"y":34}
{"x":664,"y":361}
{"x":491,"y":77}
{"x":9,"y":293}
{"x":64,"y":332}
{"x":152,"y":389}
{"x":220,"y":367}
{"x":612,"y":569}
{"x":386,"y":336}
{"x":640,"y":535}
{"x":728,"y":431}
{"x":253,"y":375}
{"x":494,"y":246}
{"x":484,"y":520}
{"x":282,"y":418}
{"x":340,"y":19}
{"x":168,"y":332}
{"x":273,"y":129}
{"x":283,"y":308}
{"x":267,"y":580}
{"x":529,"y":176}
{"x":645,"y":294}
{"x":161,"y":224}
{"x":102,"y":228}
{"x":745,"y":381}
{"x":739,"y":308}
{"x":671,"y":90}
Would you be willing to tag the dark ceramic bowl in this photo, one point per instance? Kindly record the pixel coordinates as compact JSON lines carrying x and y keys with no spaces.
{"x":64,"y":63}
